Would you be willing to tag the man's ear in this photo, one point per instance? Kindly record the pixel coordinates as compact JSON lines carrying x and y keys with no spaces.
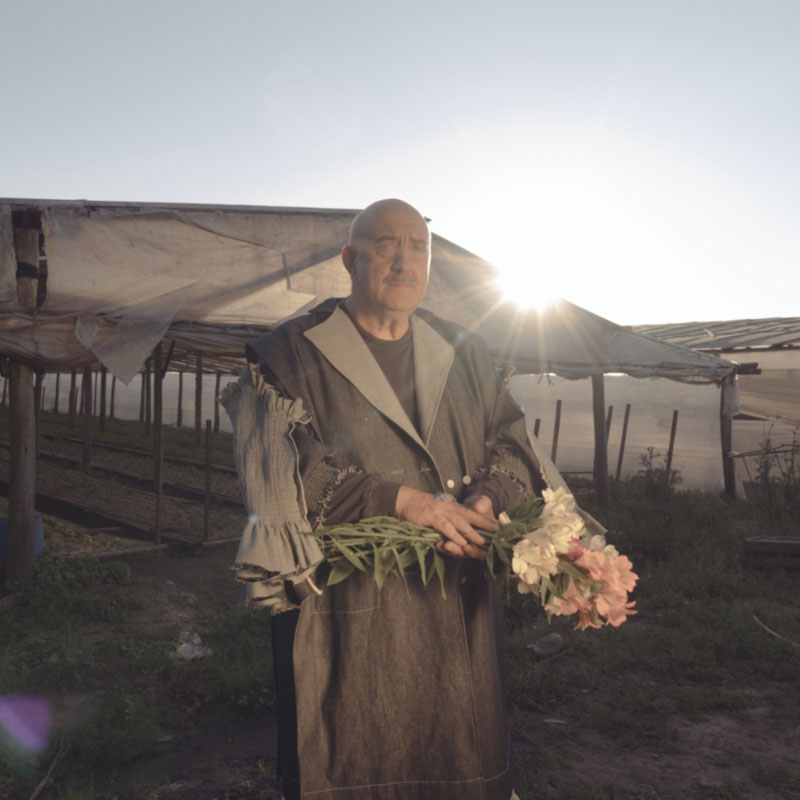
{"x":348,"y":258}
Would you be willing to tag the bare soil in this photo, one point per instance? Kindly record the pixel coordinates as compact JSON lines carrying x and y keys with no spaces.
{"x":711,"y":758}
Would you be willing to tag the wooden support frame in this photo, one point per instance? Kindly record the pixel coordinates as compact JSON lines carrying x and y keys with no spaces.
{"x":556,"y":428}
{"x":103,"y":387}
{"x":21,"y":475}
{"x":600,"y":469}
{"x":179,"y":421}
{"x":198,"y":399}
{"x":622,"y":440}
{"x":726,"y":438}
{"x":73,"y":397}
{"x":158,"y":441}
{"x":216,"y":403}
{"x":87,"y":416}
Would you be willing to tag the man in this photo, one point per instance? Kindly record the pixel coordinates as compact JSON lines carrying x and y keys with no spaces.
{"x":396,"y":693}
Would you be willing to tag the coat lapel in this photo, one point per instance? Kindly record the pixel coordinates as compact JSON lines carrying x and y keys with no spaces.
{"x":433,"y":357}
{"x":339,"y":341}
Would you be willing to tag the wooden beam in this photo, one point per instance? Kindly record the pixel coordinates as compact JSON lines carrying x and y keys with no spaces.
{"x":207,"y":492}
{"x":103,"y":385}
{"x":726,"y":438}
{"x":158,"y":441}
{"x":198,"y":398}
{"x":671,"y":448}
{"x":22,"y":416}
{"x":142,"y":390}
{"x":38,"y":402}
{"x":600,"y":470}
{"x":556,"y":427}
{"x":72,"y":397}
{"x":148,"y":396}
{"x":87,"y":416}
{"x":216,"y":403}
{"x":180,"y":400}
{"x":21,"y":476}
{"x":622,"y":440}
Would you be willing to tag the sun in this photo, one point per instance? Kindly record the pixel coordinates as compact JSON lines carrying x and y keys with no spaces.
{"x":522,"y":285}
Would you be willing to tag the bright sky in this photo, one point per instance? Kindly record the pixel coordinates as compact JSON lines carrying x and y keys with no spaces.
{"x":638,"y":158}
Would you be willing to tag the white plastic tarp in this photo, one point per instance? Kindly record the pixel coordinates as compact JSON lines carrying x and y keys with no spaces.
{"x":121,"y":279}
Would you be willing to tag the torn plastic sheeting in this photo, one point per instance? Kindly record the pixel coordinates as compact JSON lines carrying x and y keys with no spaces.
{"x":123,"y":343}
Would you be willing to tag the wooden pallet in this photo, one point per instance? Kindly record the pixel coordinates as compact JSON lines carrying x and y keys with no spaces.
{"x":772,"y":551}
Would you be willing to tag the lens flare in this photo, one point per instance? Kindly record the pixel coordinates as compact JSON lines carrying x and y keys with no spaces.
{"x":26,"y":721}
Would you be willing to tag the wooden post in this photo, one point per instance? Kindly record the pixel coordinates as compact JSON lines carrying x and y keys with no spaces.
{"x":158,"y":441}
{"x":148,"y":396}
{"x":95,"y":387}
{"x":113,"y":388}
{"x":38,"y":399}
{"x":600,"y":469}
{"x":671,"y":447}
{"x":81,"y":401}
{"x":58,"y":389}
{"x":198,"y":398}
{"x":216,"y":403}
{"x":37,"y":390}
{"x":142,"y":389}
{"x":207,"y":493}
{"x":87,"y":416}
{"x":103,"y":383}
{"x":622,"y":441}
{"x":72,"y":397}
{"x":22,"y":415}
{"x":556,"y":426}
{"x":180,"y":400}
{"x":726,"y":439}
{"x":21,"y":475}
{"x":608,"y":421}
{"x":536,"y":423}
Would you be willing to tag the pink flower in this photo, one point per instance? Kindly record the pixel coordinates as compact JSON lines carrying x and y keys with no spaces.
{"x":617,"y":577}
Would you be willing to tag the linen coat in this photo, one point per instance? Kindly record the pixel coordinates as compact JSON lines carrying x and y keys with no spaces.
{"x":400,"y":692}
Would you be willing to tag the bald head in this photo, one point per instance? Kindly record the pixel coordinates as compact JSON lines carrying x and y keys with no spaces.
{"x":364,"y":221}
{"x":388,"y":255}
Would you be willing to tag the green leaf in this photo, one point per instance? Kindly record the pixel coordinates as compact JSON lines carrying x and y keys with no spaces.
{"x":438,"y":565}
{"x":490,"y":558}
{"x":421,"y":553}
{"x":503,"y":554}
{"x":351,"y":556}
{"x":340,"y":570}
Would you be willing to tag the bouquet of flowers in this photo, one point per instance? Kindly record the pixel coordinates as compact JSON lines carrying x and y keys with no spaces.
{"x":542,"y":544}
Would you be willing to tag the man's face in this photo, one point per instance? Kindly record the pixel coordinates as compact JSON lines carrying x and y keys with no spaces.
{"x":389,"y":262}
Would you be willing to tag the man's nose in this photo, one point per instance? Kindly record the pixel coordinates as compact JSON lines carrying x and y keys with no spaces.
{"x":403,"y":258}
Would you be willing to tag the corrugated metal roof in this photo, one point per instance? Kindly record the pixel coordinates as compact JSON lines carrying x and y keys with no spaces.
{"x":736,"y":334}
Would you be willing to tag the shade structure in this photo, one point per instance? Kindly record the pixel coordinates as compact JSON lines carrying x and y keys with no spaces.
{"x":117,"y":278}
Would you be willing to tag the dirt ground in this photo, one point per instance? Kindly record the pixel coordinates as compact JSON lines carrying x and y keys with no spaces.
{"x":234,"y":759}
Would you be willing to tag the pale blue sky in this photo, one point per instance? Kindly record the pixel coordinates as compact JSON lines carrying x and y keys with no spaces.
{"x":639,"y":158}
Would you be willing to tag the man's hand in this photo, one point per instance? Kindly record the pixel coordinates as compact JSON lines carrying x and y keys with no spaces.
{"x":454,"y":521}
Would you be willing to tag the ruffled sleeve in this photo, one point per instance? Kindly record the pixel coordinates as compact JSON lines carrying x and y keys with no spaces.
{"x":275,"y":548}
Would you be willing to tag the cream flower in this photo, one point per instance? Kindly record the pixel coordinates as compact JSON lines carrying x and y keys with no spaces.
{"x":534,"y":558}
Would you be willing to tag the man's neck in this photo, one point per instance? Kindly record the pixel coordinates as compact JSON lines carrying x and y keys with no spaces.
{"x":389,"y":326}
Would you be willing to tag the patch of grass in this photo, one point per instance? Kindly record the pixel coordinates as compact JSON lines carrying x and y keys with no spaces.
{"x":774,"y":775}
{"x":125,"y":726}
{"x":237,"y":677}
